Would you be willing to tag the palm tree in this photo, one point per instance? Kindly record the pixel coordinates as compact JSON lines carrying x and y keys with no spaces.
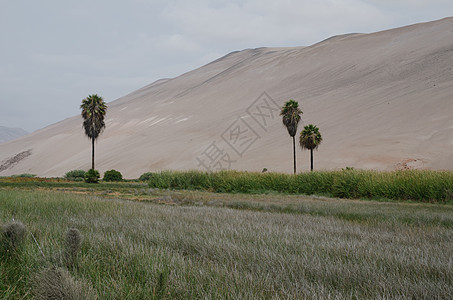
{"x":93,"y":112}
{"x":310,"y":138}
{"x":290,"y":113}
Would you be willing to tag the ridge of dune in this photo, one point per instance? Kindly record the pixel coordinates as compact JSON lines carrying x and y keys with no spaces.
{"x":381,"y":100}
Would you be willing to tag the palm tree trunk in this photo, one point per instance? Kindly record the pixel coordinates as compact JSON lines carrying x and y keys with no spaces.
{"x":294,"y":154}
{"x":311,"y":157}
{"x":92,"y":153}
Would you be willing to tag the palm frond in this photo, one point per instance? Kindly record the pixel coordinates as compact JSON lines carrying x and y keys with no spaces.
{"x":290,"y":113}
{"x":310,"y":137}
{"x":93,"y":112}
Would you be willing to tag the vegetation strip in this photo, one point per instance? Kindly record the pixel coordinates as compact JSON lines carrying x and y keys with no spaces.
{"x":416,"y":185}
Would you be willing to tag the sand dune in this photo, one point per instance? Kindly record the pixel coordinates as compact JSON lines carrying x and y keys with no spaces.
{"x":382,"y":101}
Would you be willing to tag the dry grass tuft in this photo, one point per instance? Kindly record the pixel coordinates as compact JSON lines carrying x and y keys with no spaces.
{"x":57,"y":283}
{"x":73,"y":244}
{"x":13,"y":235}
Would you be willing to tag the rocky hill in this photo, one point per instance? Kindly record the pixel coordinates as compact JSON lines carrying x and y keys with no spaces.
{"x":8,"y":134}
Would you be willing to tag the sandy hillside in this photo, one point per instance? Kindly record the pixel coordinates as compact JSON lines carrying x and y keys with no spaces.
{"x":381,"y":100}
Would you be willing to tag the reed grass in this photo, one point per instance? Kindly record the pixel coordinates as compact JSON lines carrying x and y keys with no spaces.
{"x":416,"y":185}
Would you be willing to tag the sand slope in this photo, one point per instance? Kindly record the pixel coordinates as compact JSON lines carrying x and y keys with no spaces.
{"x":381,"y":101}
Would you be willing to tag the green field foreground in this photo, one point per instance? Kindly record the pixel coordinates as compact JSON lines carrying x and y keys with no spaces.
{"x":270,"y":246}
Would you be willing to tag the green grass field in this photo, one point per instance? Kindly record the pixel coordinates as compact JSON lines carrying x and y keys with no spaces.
{"x":195,"y":245}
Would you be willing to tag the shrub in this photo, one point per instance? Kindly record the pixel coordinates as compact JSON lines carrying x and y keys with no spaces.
{"x":146,"y":176}
{"x":112,"y":175}
{"x":92,"y":176}
{"x":76,"y":175}
{"x":12,"y":239}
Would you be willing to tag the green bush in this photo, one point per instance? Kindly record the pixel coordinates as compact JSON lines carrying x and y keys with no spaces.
{"x":75,"y":175}
{"x":146,"y":176}
{"x":92,"y":176}
{"x":112,"y":175}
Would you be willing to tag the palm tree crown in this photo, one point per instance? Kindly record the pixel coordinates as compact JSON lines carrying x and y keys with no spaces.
{"x":310,"y":137}
{"x":93,"y":113}
{"x":290,"y":113}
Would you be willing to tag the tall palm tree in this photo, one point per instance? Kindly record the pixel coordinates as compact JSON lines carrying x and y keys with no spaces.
{"x":290,"y":113}
{"x":310,"y":138}
{"x":93,"y":113}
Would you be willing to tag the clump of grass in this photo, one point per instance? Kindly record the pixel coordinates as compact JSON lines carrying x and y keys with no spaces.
{"x":13,"y":236}
{"x":13,"y":260}
{"x":57,"y":283}
{"x":418,"y":185}
{"x":73,"y":243}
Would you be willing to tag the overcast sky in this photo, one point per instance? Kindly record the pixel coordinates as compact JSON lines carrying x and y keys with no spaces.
{"x":54,"y":53}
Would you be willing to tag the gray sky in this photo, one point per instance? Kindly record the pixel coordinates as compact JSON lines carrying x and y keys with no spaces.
{"x":54,"y":53}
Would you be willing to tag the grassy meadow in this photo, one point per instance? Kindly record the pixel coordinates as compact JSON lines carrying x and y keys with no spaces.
{"x":195,"y":245}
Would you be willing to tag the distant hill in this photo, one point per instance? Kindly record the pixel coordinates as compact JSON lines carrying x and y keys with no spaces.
{"x":381,"y":101}
{"x":8,"y":134}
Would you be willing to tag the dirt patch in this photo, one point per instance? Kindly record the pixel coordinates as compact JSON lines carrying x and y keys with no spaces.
{"x":12,"y":161}
{"x":409,"y":164}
